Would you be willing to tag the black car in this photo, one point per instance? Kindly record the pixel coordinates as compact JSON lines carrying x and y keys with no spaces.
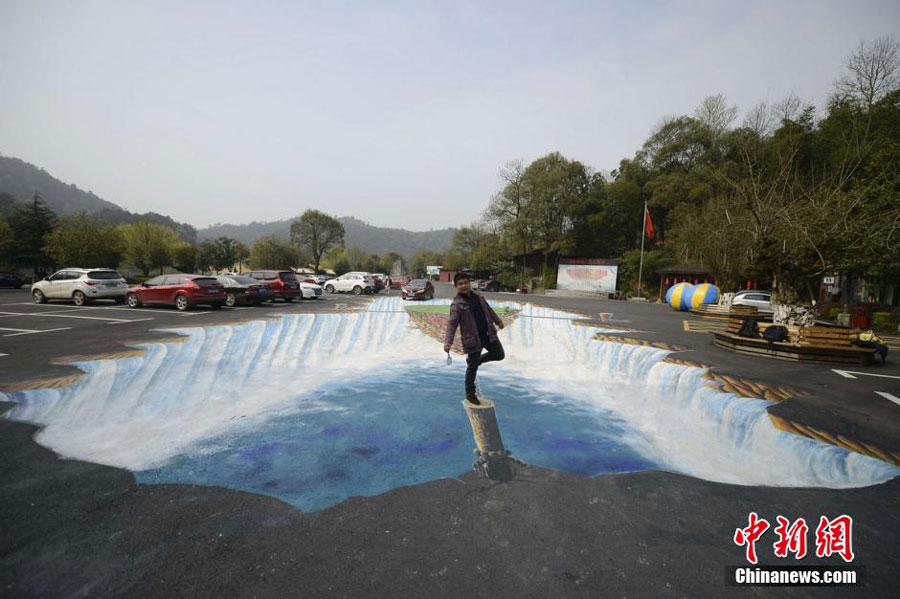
{"x":490,"y":285}
{"x":244,"y":290}
{"x":8,"y":280}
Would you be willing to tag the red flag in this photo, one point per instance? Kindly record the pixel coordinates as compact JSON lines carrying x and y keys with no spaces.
{"x":648,"y":224}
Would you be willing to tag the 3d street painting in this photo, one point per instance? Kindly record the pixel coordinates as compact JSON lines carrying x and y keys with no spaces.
{"x":315,"y":408}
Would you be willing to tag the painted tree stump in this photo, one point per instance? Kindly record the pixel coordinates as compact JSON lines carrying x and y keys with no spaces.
{"x":493,"y":457}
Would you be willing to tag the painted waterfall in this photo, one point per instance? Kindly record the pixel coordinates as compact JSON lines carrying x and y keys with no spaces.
{"x":315,"y":408}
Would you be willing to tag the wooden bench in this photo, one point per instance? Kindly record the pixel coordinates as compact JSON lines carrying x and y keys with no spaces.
{"x":813,"y":343}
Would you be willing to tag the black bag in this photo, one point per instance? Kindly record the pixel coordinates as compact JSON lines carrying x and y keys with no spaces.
{"x":749,"y":328}
{"x":775,"y":333}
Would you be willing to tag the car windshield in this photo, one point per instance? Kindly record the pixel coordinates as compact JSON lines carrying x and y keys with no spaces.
{"x":287,"y":275}
{"x":206,"y":281}
{"x":417,"y":283}
{"x":104,"y":274}
{"x":244,"y":280}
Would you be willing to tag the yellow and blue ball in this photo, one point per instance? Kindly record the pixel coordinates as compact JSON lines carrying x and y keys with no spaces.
{"x":679,"y":296}
{"x":705,"y":293}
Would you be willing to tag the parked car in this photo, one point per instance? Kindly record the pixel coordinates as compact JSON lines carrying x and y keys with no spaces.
{"x":310,"y":290}
{"x":244,"y":290}
{"x":10,"y":280}
{"x":357,"y":283}
{"x":761,"y":300}
{"x":320,"y":279}
{"x":182,"y":291}
{"x":490,"y":285}
{"x":399,"y":282}
{"x":283,"y":283}
{"x":81,"y":285}
{"x":418,"y":289}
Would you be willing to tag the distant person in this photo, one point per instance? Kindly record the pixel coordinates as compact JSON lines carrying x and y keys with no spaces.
{"x":476,"y":321}
{"x":872,"y":341}
{"x":388,"y":285}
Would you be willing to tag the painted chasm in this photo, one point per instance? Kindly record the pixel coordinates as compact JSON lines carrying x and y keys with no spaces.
{"x":315,"y":408}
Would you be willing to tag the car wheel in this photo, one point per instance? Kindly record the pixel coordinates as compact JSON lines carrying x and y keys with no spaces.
{"x":181,"y":302}
{"x":132,"y":300}
{"x":38,"y":296}
{"x":257,"y":302}
{"x":329,"y":288}
{"x":79,"y":298}
{"x":231,"y":300}
{"x":120,"y":300}
{"x":357,"y":290}
{"x":288,"y":300}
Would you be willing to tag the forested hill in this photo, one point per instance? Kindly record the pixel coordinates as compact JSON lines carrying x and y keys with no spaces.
{"x":374,"y":240}
{"x":19,"y":181}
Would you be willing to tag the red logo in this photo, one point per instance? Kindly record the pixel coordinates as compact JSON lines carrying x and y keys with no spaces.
{"x":832,"y":537}
{"x":748,"y":536}
{"x":835,"y":536}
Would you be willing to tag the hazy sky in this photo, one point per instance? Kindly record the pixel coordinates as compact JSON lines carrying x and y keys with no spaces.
{"x":399,"y":113}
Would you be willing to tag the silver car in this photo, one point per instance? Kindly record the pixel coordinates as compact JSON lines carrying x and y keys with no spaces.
{"x":761,"y":300}
{"x":81,"y":285}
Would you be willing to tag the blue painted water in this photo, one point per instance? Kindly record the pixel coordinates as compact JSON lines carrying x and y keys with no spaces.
{"x":387,"y":431}
{"x":316,"y":408}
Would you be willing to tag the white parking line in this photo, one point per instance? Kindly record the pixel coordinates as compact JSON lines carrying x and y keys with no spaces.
{"x":889,"y":396}
{"x":31,"y":332}
{"x":48,"y":315}
{"x":135,"y":320}
{"x":73,"y":308}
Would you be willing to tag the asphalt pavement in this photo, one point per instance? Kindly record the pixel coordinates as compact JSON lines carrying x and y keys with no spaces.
{"x":75,"y":529}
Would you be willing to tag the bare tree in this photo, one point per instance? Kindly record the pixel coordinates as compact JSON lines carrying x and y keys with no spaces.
{"x":872,"y":72}
{"x":715,"y":113}
{"x":789,"y":108}
{"x":760,"y":119}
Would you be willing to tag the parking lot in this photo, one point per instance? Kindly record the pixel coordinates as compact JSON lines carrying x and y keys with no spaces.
{"x":34,"y":336}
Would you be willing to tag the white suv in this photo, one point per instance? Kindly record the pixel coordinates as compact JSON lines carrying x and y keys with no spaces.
{"x":81,"y":285}
{"x":357,"y":282}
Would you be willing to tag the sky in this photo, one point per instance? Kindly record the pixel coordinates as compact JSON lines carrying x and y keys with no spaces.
{"x":398,"y":113}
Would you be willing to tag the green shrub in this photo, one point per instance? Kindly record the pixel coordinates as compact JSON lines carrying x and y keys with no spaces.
{"x":511,"y":279}
{"x":137,"y":280}
{"x":884,"y":321}
{"x":549,"y":278}
{"x":833,"y":312}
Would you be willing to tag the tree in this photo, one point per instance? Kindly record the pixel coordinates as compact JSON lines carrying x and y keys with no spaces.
{"x":275,"y":253}
{"x":557,"y":187}
{"x":6,"y":240}
{"x":315,"y":232}
{"x":30,"y":223}
{"x":81,"y":240}
{"x":873,"y":72}
{"x":509,"y":214}
{"x":715,"y":114}
{"x":184,"y":257}
{"x":242,"y":253}
{"x":149,"y":245}
{"x":421,"y":260}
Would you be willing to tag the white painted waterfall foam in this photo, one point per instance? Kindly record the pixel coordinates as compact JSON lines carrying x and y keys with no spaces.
{"x":139,"y":412}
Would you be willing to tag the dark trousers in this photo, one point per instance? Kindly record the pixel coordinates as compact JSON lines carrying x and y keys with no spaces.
{"x":494,"y":353}
{"x":881,"y":348}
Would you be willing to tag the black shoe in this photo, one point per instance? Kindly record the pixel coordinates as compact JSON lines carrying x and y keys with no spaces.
{"x":473,"y":400}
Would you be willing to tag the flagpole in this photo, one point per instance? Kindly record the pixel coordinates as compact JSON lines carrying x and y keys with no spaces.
{"x":643,"y":234}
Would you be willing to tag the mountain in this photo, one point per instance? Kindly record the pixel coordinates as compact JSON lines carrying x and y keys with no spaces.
{"x":372,"y":239}
{"x":20,"y":180}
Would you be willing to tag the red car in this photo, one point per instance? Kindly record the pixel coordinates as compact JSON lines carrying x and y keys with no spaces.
{"x":183,"y":291}
{"x":399,"y":282}
{"x":283,"y":283}
{"x":418,"y":289}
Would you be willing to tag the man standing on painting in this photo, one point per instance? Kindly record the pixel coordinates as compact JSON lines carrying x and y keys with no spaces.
{"x":478,"y":325}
